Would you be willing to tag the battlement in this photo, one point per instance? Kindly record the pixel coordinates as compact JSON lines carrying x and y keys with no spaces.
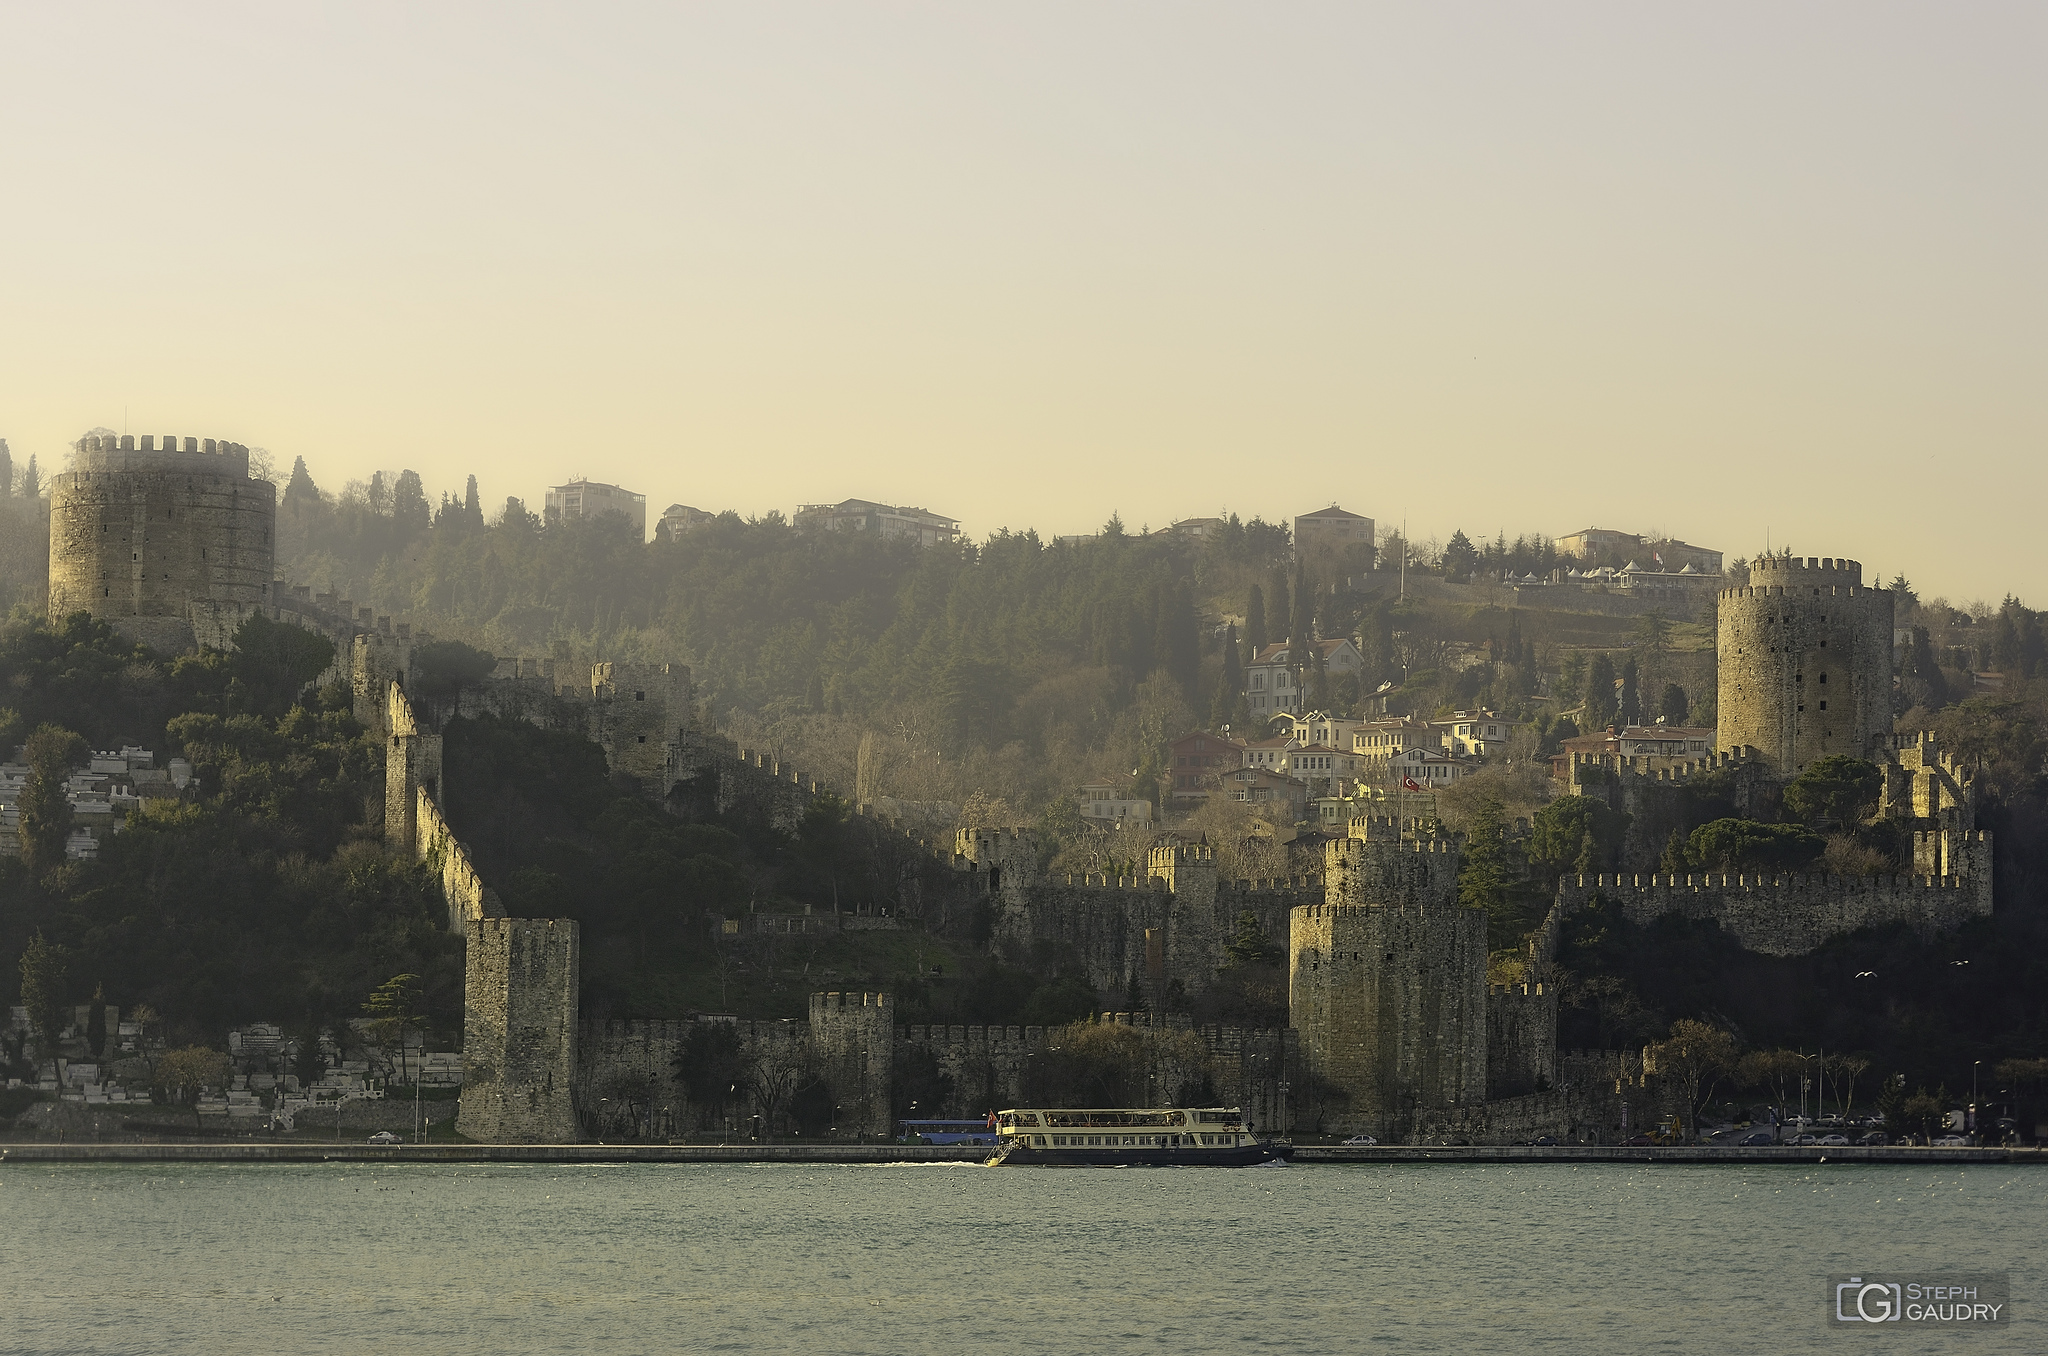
{"x":1773,"y":880}
{"x":1389,"y":829}
{"x":1277,"y":884}
{"x":1642,"y":766}
{"x":995,"y":837}
{"x":827,"y":1005}
{"x":773,"y":766}
{"x":1182,"y":854}
{"x":1793,"y":570}
{"x":1103,"y":881}
{"x":1354,"y":850}
{"x":105,"y":453}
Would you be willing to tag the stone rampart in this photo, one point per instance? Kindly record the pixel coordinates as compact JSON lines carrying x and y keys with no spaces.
{"x":1790,"y":915}
{"x":1660,"y":799}
{"x":1521,"y":1039}
{"x":762,"y":787}
{"x":464,"y":889}
{"x":522,"y":977}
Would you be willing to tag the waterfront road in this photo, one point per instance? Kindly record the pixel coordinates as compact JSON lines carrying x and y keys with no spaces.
{"x":278,"y":1151}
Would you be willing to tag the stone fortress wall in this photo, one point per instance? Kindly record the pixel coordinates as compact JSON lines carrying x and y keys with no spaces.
{"x":1806,"y":662}
{"x":140,"y":535}
{"x":1393,"y":1021}
{"x":850,"y":1039}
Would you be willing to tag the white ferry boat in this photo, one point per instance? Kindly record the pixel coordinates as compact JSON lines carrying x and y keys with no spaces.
{"x":1130,"y":1137}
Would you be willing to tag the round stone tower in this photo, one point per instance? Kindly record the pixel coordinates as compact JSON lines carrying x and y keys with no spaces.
{"x":139,"y":535}
{"x":1806,"y":662}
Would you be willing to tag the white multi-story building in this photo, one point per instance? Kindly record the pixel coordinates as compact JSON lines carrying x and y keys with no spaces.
{"x":1272,"y":687}
{"x":591,"y":498}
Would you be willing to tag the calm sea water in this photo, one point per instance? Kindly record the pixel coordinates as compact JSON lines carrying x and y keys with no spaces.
{"x":952,"y":1259}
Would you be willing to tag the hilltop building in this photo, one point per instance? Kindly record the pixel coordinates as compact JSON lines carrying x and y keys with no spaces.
{"x":1196,"y":529}
{"x":1332,"y":527}
{"x":861,"y":515}
{"x":1274,"y":689}
{"x":1659,"y":553}
{"x":679,"y":520}
{"x":590,"y":499}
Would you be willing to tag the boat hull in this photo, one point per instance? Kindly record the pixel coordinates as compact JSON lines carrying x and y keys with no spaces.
{"x":1185,"y":1156}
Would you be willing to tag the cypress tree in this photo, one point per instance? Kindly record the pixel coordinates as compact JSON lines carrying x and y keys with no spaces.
{"x":96,"y":1022}
{"x":473,"y":504}
{"x":44,"y":808}
{"x":1255,"y":623}
{"x":1224,"y":706}
{"x":1600,"y":692}
{"x":1631,"y":700}
{"x":1278,"y":614}
{"x":301,"y":485}
{"x":1673,"y":706}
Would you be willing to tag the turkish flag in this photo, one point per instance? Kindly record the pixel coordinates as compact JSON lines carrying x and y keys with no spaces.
{"x":1409,"y":782}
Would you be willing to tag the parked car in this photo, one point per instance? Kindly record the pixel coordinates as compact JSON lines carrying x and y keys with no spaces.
{"x":1807,"y":1140}
{"x":1876,"y":1139}
{"x":1951,"y":1142}
{"x":385,"y":1137}
{"x":1755,"y":1138}
{"x":1361,"y":1141}
{"x":1834,"y":1139}
{"x":1544,"y":1141}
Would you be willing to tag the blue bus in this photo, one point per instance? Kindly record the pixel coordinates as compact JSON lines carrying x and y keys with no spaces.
{"x":947,"y":1132}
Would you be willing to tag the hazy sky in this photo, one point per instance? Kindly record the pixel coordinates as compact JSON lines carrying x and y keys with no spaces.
{"x":1721,"y":270}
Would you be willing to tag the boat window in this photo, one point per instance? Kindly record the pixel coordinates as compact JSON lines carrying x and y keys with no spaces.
{"x":1039,"y":1140}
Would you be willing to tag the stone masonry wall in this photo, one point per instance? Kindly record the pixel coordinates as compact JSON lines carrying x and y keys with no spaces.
{"x":1780,"y":915}
{"x":983,"y":1067}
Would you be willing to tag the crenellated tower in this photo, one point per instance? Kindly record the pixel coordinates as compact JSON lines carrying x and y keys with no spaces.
{"x":1387,"y":980}
{"x":854,"y":1038}
{"x":171,"y":544}
{"x":1805,"y":663}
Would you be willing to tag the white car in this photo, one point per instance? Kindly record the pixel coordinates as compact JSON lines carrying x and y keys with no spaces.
{"x":385,"y":1137}
{"x":1833,"y":1139}
{"x":1361,"y":1141}
{"x":1951,"y":1142}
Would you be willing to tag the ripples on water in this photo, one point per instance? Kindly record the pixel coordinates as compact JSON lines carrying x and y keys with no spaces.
{"x":955,"y":1259}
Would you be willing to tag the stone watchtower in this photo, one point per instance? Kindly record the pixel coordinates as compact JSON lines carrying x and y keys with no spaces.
{"x":1191,"y":945}
{"x":1387,"y":980}
{"x":1006,"y":859}
{"x":854,"y":1037}
{"x":1805,"y":663}
{"x":168,"y":544}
